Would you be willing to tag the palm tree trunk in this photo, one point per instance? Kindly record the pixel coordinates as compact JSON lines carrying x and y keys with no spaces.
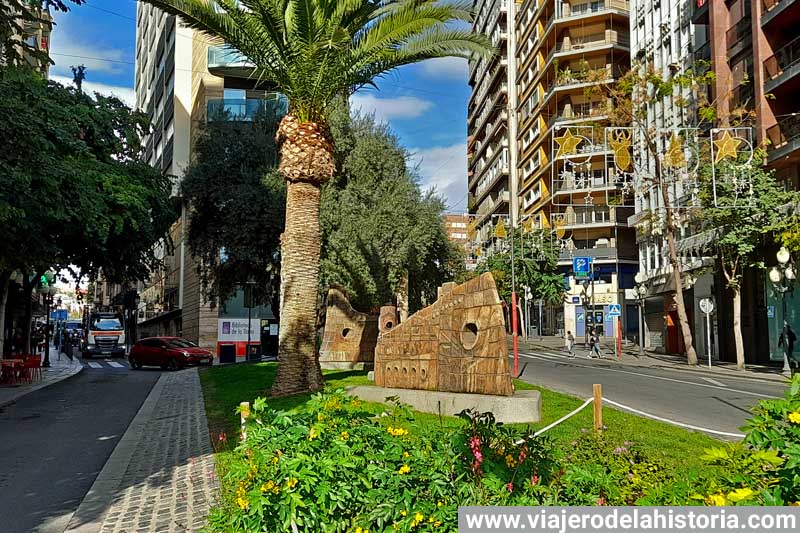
{"x":306,"y":163}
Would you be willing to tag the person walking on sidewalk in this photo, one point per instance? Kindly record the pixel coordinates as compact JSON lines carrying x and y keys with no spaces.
{"x":571,"y":345}
{"x":594,"y":345}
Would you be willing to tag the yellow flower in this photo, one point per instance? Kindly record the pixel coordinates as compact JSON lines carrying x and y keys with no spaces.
{"x":356,"y":403}
{"x":291,"y":482}
{"x":406,"y":454}
{"x":274,"y":460}
{"x":418,"y":518}
{"x":405,"y":469}
{"x":403,"y":513}
{"x":794,"y":417}
{"x":437,"y":523}
{"x":439,"y":503}
{"x":797,"y":503}
{"x":430,"y":519}
{"x":740,"y":494}
{"x":242,"y":503}
{"x":396,"y":432}
{"x":716,"y":499}
{"x":510,"y":462}
{"x":312,"y":434}
{"x":359,"y":530}
{"x":320,"y":417}
{"x":344,"y":435}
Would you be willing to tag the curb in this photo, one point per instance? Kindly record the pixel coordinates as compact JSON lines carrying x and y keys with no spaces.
{"x":40,"y":386}
{"x":88,"y":517}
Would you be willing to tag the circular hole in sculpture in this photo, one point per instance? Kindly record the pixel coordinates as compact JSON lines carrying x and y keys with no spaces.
{"x":413,"y":370}
{"x":405,"y":370}
{"x":469,"y":335}
{"x":345,"y":332}
{"x":389,"y":325}
{"x":423,"y":373}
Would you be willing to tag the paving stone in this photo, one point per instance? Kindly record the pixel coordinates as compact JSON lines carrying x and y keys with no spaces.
{"x":169,"y":482}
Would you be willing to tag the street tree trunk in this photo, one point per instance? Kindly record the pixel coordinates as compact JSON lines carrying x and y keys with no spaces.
{"x":669,"y":234}
{"x":5,"y":280}
{"x":306,"y":163}
{"x":27,"y":319}
{"x":737,"y":328}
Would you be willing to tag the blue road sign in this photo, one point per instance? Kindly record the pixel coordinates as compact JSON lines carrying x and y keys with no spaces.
{"x":582,"y":266}
{"x":576,"y":299}
{"x":614,"y":310}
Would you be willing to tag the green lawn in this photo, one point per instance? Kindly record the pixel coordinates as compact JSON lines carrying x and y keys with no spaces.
{"x":225,"y":387}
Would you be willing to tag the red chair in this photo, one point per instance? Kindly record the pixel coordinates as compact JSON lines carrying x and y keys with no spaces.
{"x":32,"y":369}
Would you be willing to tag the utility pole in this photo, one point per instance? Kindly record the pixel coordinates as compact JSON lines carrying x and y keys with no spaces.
{"x":513,"y":181}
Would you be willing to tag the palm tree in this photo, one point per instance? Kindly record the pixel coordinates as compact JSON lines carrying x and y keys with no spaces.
{"x":315,"y":51}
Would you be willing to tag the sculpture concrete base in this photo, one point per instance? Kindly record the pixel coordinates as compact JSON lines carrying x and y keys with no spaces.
{"x":523,"y":408}
{"x":345,"y":365}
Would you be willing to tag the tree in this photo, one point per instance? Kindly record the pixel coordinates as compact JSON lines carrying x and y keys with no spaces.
{"x":314,"y":52}
{"x":15,"y":15}
{"x":379,"y":229}
{"x":73,"y":190}
{"x":236,"y":201}
{"x":740,"y":231}
{"x":661,"y":162}
{"x":535,"y":265}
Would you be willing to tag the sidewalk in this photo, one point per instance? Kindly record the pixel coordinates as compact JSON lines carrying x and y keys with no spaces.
{"x":630,"y":357}
{"x":160,"y":477}
{"x":60,"y":369}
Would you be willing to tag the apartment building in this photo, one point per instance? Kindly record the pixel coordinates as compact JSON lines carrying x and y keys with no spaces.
{"x":183,"y":80}
{"x":487,"y":115}
{"x":36,"y":34}
{"x":566,"y":52}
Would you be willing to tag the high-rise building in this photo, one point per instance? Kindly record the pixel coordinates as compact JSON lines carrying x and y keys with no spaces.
{"x":487,"y":121}
{"x":567,"y":51}
{"x":184,"y":79}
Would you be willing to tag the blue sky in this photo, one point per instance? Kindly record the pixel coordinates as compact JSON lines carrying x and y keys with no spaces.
{"x":425,"y":104}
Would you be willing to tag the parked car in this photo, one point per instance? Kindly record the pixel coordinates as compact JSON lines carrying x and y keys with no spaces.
{"x":170,"y":353}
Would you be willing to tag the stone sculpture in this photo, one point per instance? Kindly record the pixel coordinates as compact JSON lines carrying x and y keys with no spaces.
{"x":458,"y":344}
{"x":350,"y":336}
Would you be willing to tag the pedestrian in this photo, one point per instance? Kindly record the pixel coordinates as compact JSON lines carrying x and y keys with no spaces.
{"x":594,"y":344}
{"x":571,"y":344}
{"x":787,"y":340}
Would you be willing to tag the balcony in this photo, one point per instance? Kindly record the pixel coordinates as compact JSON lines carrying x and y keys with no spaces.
{"x":784,"y":138}
{"x":773,"y":8}
{"x":586,"y":43}
{"x":578,"y":113}
{"x":565,"y":11}
{"x":739,"y":36}
{"x":783,"y":66}
{"x":700,"y":12}
{"x":587,"y":217}
{"x":703,"y":53}
{"x":248,"y":109}
{"x":224,"y":61}
{"x":582,"y":182}
{"x":598,"y":254}
{"x":490,"y":206}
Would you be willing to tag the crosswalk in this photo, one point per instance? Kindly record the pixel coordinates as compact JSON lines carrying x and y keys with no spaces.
{"x":581,"y":353}
{"x":106,"y":363}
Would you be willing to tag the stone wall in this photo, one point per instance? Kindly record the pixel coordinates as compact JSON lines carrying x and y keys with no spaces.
{"x":349,"y":336}
{"x":458,"y":344}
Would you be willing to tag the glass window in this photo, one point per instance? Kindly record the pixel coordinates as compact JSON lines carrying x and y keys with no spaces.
{"x":106,"y":324}
{"x":180,"y":343}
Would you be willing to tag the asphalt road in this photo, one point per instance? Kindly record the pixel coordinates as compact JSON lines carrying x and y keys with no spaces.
{"x":714,"y":402}
{"x":54,"y":442}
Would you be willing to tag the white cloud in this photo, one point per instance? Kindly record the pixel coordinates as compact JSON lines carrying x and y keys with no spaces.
{"x":444,"y":168}
{"x":449,"y":68}
{"x":386,"y":109}
{"x":126,"y":94}
{"x":69,"y":47}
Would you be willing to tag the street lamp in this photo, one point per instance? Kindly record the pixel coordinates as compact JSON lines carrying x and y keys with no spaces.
{"x":641,"y":295}
{"x":48,"y":292}
{"x":782,"y":278}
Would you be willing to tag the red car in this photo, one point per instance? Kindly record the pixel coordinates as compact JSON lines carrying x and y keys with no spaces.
{"x":170,"y":353}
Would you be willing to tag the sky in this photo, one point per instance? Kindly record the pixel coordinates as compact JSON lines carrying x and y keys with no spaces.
{"x":425,"y":104}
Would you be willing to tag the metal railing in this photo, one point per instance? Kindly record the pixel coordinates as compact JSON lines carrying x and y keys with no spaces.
{"x":787,"y":129}
{"x":784,"y":58}
{"x":221,"y":56}
{"x":246,"y":110}
{"x":738,"y":32}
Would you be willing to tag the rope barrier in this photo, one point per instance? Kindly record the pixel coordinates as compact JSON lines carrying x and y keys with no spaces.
{"x":673,"y":422}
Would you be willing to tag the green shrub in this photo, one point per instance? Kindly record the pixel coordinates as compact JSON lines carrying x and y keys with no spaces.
{"x":334,"y":466}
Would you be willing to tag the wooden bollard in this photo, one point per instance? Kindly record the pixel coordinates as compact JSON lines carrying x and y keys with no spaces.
{"x":244,"y":412}
{"x":598,"y":406}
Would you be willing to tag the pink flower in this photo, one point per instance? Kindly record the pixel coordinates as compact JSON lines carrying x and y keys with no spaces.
{"x":223,"y":437}
{"x":522,"y":455}
{"x":534,"y":479}
{"x":510,"y":487}
{"x":601,"y":501}
{"x":478,"y":455}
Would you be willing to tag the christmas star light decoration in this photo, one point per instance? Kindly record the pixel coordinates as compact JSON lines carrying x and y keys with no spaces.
{"x":567,"y":144}
{"x":727,"y":146}
{"x":500,"y":230}
{"x":621,"y":146}
{"x":674,"y":158}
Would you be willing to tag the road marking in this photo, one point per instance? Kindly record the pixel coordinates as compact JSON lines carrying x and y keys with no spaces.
{"x":95,"y":365}
{"x":757,"y":395}
{"x":715,"y":382}
{"x":115,"y":364}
